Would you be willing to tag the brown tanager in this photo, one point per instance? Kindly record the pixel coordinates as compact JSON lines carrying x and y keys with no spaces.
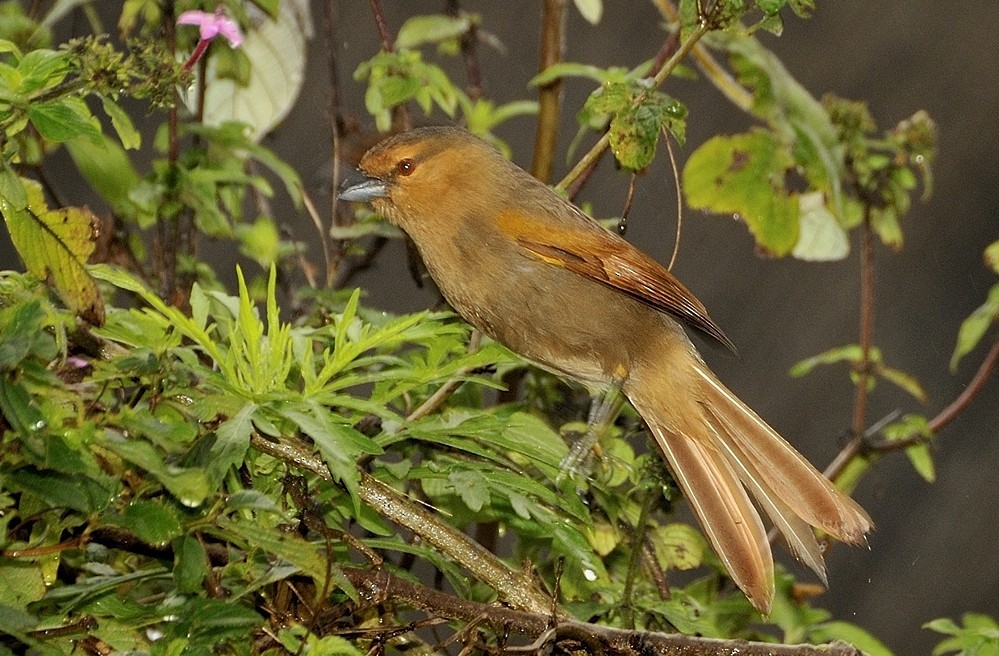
{"x":538,"y":275}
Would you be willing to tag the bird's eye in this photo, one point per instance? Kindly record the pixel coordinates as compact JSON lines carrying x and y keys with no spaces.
{"x":405,"y":166}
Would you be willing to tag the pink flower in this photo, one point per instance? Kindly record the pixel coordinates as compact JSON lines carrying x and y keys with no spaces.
{"x":213,"y":24}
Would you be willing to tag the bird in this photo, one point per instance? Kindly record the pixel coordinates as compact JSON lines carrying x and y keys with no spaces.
{"x":538,"y":275}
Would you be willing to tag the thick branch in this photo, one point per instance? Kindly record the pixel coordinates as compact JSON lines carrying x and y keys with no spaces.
{"x":514,"y":587}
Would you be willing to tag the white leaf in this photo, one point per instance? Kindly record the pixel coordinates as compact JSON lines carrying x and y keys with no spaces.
{"x":276,"y":50}
{"x":591,"y":10}
{"x":821,"y":237}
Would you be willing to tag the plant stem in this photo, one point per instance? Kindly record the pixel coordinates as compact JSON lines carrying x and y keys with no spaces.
{"x":514,"y":587}
{"x":550,"y":95}
{"x":863,"y":369}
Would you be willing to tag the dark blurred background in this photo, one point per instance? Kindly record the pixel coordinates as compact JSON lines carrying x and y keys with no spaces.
{"x":936,"y":549}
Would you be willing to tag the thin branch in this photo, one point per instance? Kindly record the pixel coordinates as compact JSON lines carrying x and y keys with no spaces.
{"x":378,"y":587}
{"x":977,"y":383}
{"x":383,"y":33}
{"x":516,"y":588}
{"x":709,"y":66}
{"x":679,"y":199}
{"x":469,"y":52}
{"x":866,"y":327}
{"x":332,"y":253}
{"x":550,"y":95}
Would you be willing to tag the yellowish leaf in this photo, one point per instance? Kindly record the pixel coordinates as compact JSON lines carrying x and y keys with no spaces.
{"x":55,"y":246}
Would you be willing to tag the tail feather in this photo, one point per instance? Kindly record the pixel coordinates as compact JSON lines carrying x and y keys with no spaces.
{"x":724,"y":511}
{"x":798,"y":533}
{"x":718,"y":449}
{"x":780,"y":468}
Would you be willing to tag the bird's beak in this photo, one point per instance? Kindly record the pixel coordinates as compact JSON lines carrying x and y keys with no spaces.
{"x":362,"y":188}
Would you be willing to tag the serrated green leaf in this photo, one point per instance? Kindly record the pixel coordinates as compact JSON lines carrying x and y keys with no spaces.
{"x":743,"y":175}
{"x":232,"y":439}
{"x":55,"y":245}
{"x":65,"y":119}
{"x":471,"y":486}
{"x":975,"y":326}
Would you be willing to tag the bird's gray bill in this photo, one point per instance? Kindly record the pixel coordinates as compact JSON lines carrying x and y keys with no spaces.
{"x":362,"y":189}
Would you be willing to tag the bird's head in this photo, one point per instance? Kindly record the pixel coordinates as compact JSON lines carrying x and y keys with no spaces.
{"x":424,"y":174}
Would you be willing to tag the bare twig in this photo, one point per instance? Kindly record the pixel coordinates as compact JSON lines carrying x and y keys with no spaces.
{"x":863,"y":368}
{"x":679,"y":198}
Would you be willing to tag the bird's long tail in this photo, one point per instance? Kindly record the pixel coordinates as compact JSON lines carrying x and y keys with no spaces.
{"x":718,"y":450}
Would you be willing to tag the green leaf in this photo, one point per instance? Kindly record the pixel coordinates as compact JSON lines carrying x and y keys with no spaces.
{"x":975,"y":326}
{"x":108,"y":169}
{"x":232,"y":439}
{"x":802,"y":123}
{"x":290,"y":547}
{"x":21,"y":583}
{"x":12,"y":190}
{"x":55,"y":245}
{"x":902,"y":380}
{"x":433,"y":28}
{"x":991,"y":256}
{"x":122,"y":123}
{"x":849,"y":633}
{"x":190,"y":564}
{"x":679,"y":546}
{"x":922,"y":461}
{"x":591,"y":10}
{"x":84,"y":494}
{"x":189,"y":486}
{"x":64,"y":119}
{"x":743,"y":175}
{"x":850,"y":353}
{"x":152,"y":522}
{"x":471,"y":486}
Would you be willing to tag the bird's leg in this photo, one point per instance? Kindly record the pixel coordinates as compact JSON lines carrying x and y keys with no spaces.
{"x":603,"y":411}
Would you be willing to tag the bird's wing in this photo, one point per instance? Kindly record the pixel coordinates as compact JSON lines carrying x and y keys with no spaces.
{"x":590,"y":251}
